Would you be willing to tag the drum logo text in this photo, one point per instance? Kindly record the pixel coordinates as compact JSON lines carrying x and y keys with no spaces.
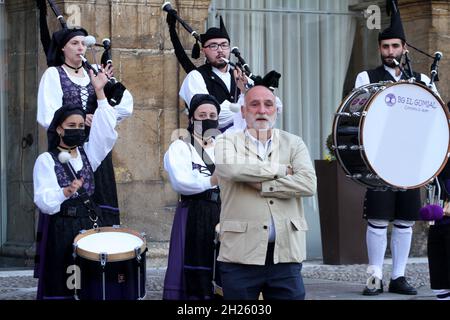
{"x":391,"y":100}
{"x":421,"y":105}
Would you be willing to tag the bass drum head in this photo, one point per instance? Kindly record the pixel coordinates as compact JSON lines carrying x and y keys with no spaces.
{"x":405,"y":135}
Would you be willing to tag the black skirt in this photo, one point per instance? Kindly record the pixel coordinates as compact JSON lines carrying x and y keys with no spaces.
{"x":105,"y":194}
{"x":439,"y":255}
{"x":203,"y":216}
{"x":63,"y":227}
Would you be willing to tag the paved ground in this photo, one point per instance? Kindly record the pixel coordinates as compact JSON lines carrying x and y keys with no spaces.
{"x":322,"y":282}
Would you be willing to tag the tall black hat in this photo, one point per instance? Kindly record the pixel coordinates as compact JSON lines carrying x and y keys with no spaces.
{"x":215,"y":33}
{"x":395,"y":30}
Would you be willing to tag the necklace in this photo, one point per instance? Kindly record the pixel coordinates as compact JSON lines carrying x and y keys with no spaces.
{"x":69,"y":150}
{"x":74,"y":68}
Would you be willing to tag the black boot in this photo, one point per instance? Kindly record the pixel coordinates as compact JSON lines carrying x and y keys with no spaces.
{"x":401,"y":286}
{"x":373,"y":289}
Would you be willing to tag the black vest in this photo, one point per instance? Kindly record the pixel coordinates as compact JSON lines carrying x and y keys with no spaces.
{"x":381,"y":74}
{"x":216,"y":87}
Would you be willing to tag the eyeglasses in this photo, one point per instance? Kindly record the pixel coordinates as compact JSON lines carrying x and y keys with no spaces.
{"x":215,"y":46}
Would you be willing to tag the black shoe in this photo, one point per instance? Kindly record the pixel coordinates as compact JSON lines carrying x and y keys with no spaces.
{"x":401,"y":286}
{"x":373,"y":290}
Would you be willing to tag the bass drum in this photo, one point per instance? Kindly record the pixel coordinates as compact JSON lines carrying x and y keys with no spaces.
{"x":392,"y":135}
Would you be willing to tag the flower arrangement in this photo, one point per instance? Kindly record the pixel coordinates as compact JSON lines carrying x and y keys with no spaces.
{"x":331,"y":155}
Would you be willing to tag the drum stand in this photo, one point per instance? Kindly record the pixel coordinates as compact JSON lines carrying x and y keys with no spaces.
{"x":137,"y":252}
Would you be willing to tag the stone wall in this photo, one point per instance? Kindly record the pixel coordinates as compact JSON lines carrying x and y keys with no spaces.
{"x":144,"y":62}
{"x":21,"y":88}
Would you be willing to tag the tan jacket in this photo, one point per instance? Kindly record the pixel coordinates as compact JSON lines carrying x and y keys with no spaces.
{"x":245,"y":214}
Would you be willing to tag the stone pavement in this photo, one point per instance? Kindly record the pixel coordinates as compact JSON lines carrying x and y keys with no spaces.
{"x":322,"y":282}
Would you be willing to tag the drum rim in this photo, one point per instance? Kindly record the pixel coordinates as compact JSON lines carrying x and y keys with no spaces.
{"x":361,"y":135}
{"x":343,"y":104}
{"x":114,"y":257}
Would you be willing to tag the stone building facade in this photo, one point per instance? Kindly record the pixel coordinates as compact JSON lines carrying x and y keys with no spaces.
{"x":145,"y":63}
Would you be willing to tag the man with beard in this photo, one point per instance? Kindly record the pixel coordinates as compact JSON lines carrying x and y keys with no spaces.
{"x":263,"y":174}
{"x":215,"y":77}
{"x":381,"y":207}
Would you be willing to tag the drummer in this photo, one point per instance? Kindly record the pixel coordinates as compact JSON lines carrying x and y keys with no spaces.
{"x":381,"y":207}
{"x":63,"y":186}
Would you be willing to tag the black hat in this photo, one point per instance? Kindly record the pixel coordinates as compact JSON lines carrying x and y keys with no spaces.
{"x":215,"y":33}
{"x":199,"y":99}
{"x":55,"y":56}
{"x":395,"y":30}
{"x":60,"y":115}
{"x":269,"y":81}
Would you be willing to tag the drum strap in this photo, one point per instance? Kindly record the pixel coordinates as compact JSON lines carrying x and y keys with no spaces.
{"x":380,"y":74}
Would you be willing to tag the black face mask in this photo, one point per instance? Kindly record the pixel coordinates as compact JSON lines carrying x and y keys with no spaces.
{"x":74,"y":137}
{"x":206,"y":128}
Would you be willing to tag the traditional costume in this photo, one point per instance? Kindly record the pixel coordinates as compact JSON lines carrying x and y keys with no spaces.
{"x":61,"y":218}
{"x":57,"y":87}
{"x":189,"y":272}
{"x":438,"y":246}
{"x":381,"y":207}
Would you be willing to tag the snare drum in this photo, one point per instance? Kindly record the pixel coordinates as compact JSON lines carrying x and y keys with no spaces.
{"x":392,"y":135}
{"x":112,"y":264}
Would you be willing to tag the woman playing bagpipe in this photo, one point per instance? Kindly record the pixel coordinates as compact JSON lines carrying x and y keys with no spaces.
{"x":63,"y":179}
{"x":66,"y":81}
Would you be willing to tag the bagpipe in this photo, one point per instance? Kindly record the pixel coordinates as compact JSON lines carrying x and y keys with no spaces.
{"x":270,"y":80}
{"x":113,"y":89}
{"x":405,"y":66}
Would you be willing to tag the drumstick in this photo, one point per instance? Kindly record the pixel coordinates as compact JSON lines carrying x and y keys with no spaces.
{"x":64,"y":157}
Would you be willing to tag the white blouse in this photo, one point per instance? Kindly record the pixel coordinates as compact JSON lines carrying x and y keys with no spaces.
{"x":48,"y":195}
{"x":178,"y":163}
{"x":363,"y":78}
{"x":50,"y":97}
{"x":195,"y":84}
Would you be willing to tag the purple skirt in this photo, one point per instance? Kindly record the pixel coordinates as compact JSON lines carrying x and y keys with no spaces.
{"x":174,"y":287}
{"x":174,"y":281}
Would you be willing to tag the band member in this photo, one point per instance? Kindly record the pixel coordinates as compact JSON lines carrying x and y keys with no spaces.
{"x":438,"y":246}
{"x":382,"y":207}
{"x":63,"y":179}
{"x":263,"y":175}
{"x":67,"y":82}
{"x":216,"y":77}
{"x":189,"y":163}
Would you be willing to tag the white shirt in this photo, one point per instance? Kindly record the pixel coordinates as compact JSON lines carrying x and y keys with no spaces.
{"x":178,"y":163}
{"x":263,"y":150}
{"x":363,"y":78}
{"x":50,"y":97}
{"x":48,"y":195}
{"x":195,"y":84}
